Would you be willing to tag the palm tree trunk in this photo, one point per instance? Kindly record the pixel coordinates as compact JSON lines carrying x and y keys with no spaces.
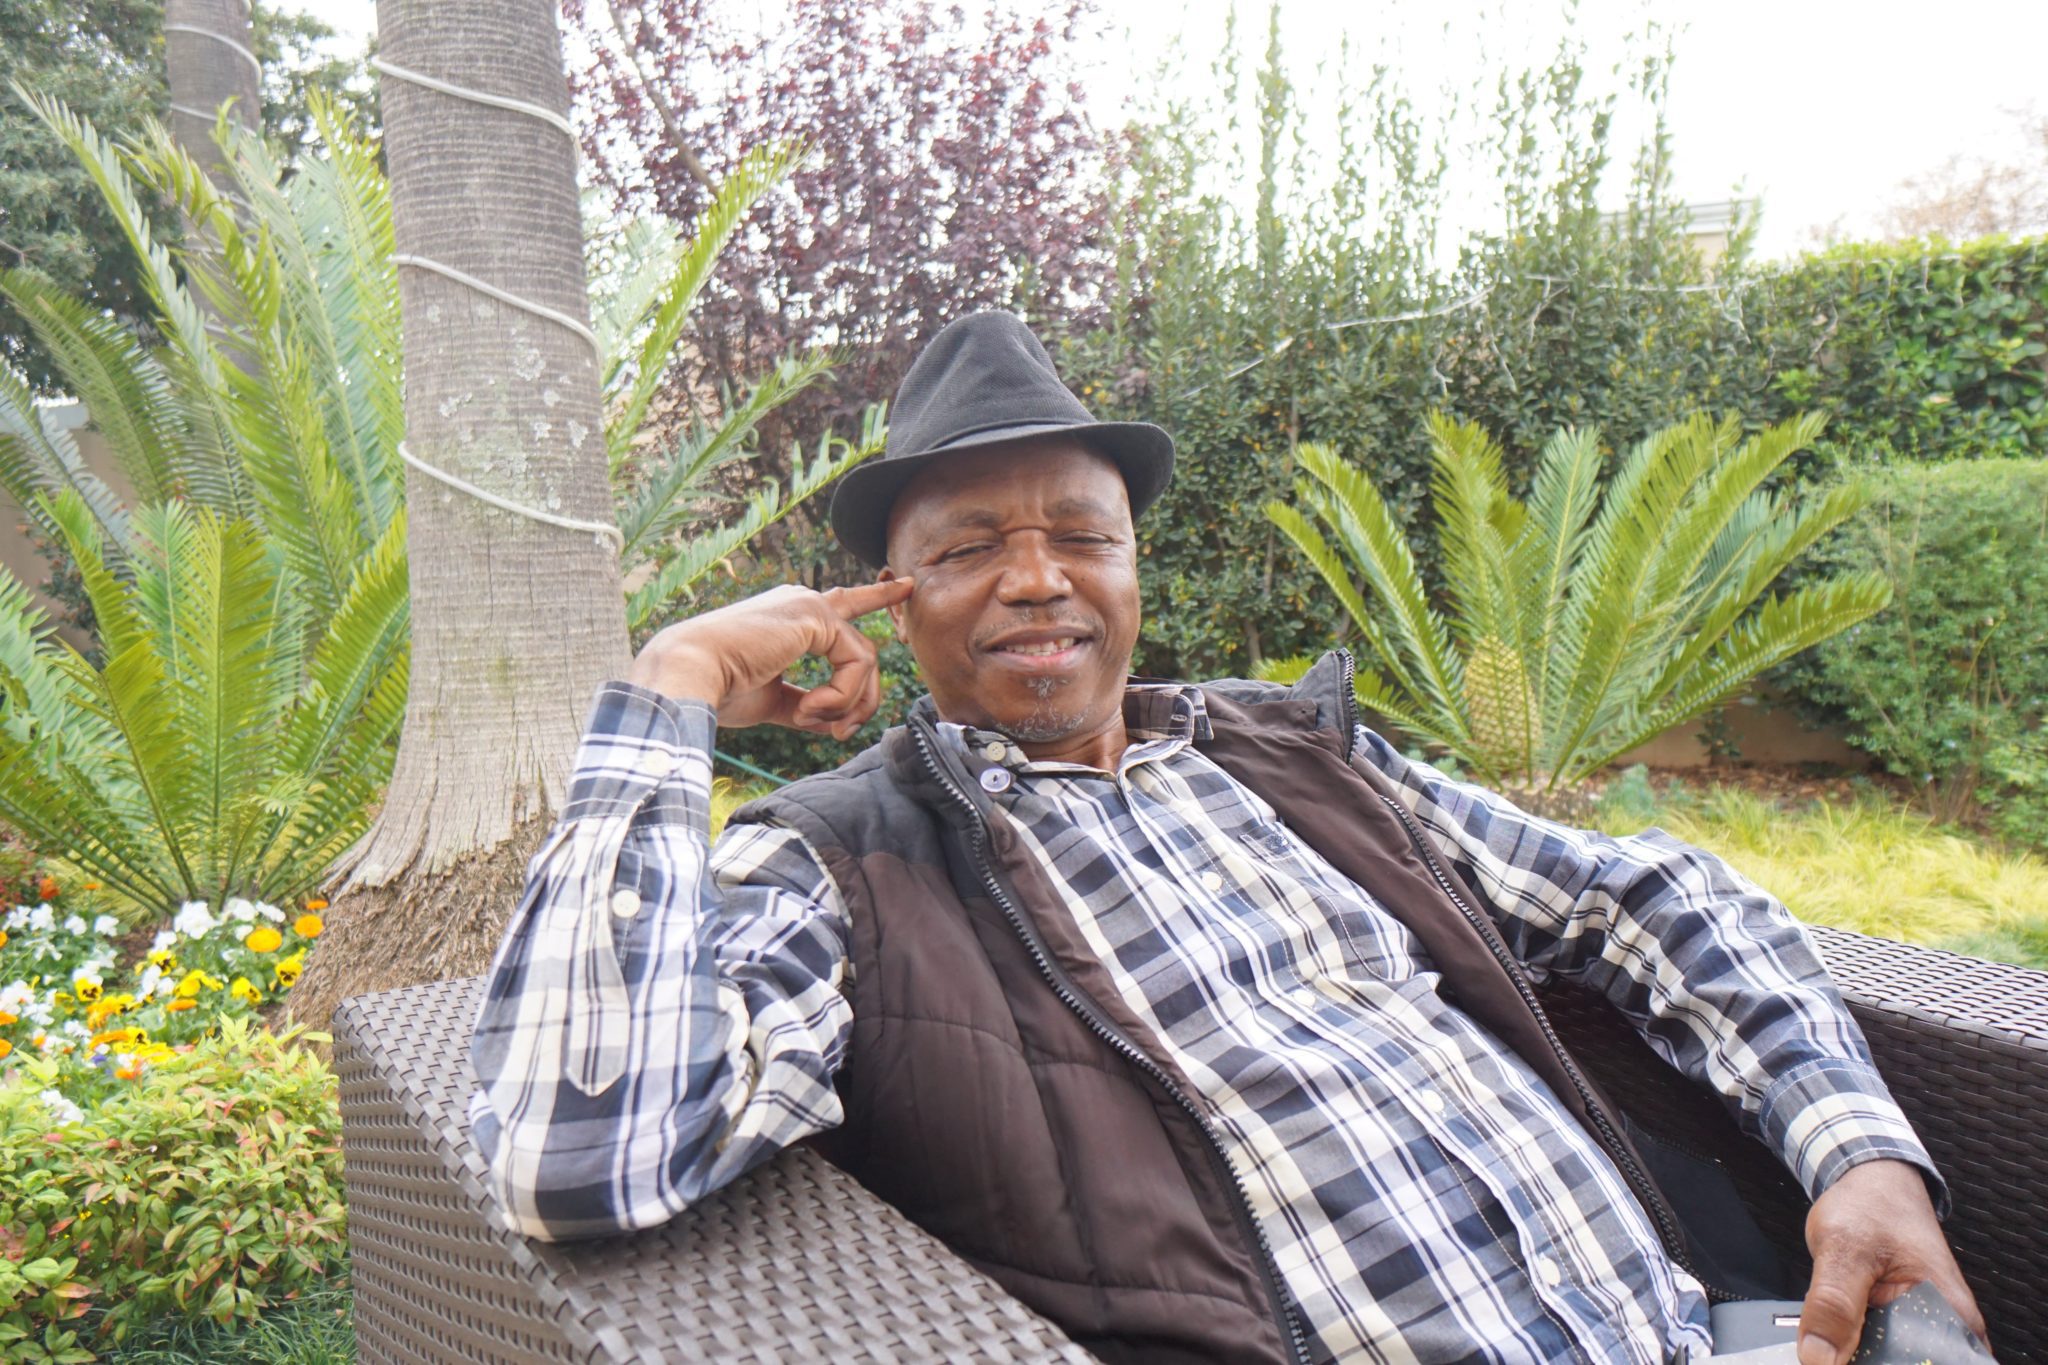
{"x":514,"y":621}
{"x":205,"y":42}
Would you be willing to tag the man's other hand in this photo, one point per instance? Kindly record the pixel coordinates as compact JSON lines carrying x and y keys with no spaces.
{"x":1873,"y":1236}
{"x":734,"y":658}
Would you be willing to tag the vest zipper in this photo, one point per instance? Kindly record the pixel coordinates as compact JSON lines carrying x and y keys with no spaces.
{"x":1072,"y":998}
{"x":1617,"y":1150}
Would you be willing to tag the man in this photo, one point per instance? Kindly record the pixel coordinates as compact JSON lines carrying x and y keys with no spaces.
{"x":1197,"y":1016}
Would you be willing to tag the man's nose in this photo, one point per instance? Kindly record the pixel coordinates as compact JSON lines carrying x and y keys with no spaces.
{"x":1032,"y":573}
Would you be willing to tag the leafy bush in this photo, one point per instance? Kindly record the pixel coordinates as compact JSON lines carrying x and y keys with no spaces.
{"x":1589,"y":619}
{"x":1949,"y":687}
{"x":212,"y":1188}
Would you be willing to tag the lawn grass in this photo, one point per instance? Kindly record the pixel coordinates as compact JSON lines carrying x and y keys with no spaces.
{"x":1864,"y":865}
{"x":317,"y":1328}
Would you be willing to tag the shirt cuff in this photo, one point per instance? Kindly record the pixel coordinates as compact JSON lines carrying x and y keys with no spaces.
{"x":643,"y":754}
{"x":1830,"y":1115}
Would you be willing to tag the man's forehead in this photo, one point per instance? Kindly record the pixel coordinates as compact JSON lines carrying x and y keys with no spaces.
{"x":1073,"y":481}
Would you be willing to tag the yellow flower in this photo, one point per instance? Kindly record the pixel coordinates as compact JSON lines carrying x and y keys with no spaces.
{"x":3,"y":938}
{"x":309,"y":925}
{"x":119,"y":1035}
{"x":7,"y":1017}
{"x":87,"y":989}
{"x":263,"y":939}
{"x":164,"y":960}
{"x":288,"y":970}
{"x":195,"y":982}
{"x":176,"y":1005}
{"x":242,"y":989}
{"x":5,"y":1047}
{"x":100,"y":1013}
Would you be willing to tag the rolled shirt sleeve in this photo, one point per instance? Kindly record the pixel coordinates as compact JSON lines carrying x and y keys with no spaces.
{"x":1716,"y":973}
{"x":660,"y":1016}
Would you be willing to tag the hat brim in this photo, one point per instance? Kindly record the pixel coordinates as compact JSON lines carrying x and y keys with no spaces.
{"x":864,"y":496}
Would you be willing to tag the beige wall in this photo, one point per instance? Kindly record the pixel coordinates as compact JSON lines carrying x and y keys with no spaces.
{"x":1763,"y":733}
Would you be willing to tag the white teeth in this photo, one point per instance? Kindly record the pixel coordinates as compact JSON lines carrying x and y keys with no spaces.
{"x":1046,"y":647}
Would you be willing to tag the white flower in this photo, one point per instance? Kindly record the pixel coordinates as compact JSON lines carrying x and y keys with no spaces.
{"x":77,"y":1030}
{"x":166,"y":987}
{"x":15,"y":994}
{"x":147,"y":982}
{"x":270,"y":912}
{"x":193,"y":919}
{"x":239,"y":909}
{"x":74,"y":924}
{"x":106,"y":926}
{"x":17,"y":917}
{"x":164,"y":939}
{"x":64,"y":1110}
{"x":42,"y":919}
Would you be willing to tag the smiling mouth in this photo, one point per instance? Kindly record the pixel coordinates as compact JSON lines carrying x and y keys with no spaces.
{"x":1040,"y":649}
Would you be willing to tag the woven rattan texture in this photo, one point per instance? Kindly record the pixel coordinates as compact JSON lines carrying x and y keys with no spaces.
{"x":1963,"y":1044}
{"x":795,"y":1262}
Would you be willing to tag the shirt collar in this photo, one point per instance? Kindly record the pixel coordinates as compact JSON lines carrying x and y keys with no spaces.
{"x":1161,"y":716}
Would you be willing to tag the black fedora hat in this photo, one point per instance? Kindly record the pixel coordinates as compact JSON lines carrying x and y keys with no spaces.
{"x":983,"y":380}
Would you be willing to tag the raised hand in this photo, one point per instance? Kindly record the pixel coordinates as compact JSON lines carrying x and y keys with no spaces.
{"x":734,"y":657}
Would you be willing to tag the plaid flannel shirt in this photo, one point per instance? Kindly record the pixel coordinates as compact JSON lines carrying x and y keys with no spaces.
{"x":664,"y":1015}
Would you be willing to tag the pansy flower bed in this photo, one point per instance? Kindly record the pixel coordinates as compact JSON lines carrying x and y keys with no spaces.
{"x":68,"y":991}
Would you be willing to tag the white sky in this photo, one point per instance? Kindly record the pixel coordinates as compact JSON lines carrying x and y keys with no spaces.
{"x":1818,"y":108}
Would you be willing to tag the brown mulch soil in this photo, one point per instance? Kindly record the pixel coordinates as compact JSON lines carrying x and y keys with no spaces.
{"x":1784,"y":784}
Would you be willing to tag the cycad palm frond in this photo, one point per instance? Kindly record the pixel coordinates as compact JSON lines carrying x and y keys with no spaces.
{"x":705,"y":551}
{"x":39,"y":460}
{"x":632,"y":390}
{"x":663,"y":500}
{"x":1585,"y":623}
{"x":105,"y":368}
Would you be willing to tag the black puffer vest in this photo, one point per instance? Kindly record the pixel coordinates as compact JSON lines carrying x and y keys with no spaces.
{"x":1000,"y":1093}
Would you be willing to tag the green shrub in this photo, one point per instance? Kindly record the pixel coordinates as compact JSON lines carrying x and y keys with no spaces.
{"x":210,"y":1190}
{"x":1948,"y":687}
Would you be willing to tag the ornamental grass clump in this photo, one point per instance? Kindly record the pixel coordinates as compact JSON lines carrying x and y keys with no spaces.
{"x":1607,"y":608}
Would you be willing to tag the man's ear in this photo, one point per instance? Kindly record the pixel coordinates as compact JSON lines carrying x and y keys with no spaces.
{"x":886,"y":575}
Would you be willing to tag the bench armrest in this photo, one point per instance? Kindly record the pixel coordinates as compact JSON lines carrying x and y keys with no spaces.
{"x":794,"y":1262}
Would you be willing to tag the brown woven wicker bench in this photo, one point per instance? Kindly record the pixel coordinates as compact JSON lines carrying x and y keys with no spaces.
{"x":797,"y":1262}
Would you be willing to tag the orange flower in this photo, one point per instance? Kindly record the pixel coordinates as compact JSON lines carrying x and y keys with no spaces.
{"x":181,"y":1004}
{"x":3,"y":938}
{"x":7,"y":1017}
{"x":309,"y":925}
{"x":263,"y":939}
{"x":92,"y":886}
{"x":47,"y":888}
{"x":5,"y":1047}
{"x":130,"y":1070}
{"x":316,"y":904}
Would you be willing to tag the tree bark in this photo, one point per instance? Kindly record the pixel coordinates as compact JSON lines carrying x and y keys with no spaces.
{"x":205,"y":42}
{"x":514,"y":621}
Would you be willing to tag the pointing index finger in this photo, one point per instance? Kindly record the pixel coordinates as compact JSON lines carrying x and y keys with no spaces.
{"x":863,"y":598}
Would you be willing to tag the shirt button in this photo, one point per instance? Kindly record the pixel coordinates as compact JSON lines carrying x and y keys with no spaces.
{"x":1548,"y":1272}
{"x":1432,"y":1101}
{"x":994,"y":753}
{"x":995,"y":779}
{"x":625,"y":904}
{"x":1212,"y":882}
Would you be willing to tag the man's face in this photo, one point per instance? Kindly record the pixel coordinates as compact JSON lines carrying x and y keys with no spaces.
{"x":1026,"y":606}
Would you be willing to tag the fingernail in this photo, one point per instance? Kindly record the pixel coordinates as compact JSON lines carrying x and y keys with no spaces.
{"x":1815,"y":1349}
